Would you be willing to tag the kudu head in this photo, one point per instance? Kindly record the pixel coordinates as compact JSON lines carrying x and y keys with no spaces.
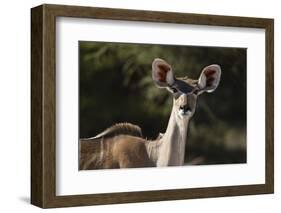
{"x":185,"y":90}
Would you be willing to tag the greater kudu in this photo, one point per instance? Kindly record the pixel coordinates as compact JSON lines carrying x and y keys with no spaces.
{"x":122,"y":145}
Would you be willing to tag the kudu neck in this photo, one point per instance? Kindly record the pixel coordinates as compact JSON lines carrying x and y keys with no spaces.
{"x":172,"y":144}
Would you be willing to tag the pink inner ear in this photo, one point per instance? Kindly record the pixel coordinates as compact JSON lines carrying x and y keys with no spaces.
{"x":210,"y":81}
{"x":209,"y":73}
{"x":162,"y":72}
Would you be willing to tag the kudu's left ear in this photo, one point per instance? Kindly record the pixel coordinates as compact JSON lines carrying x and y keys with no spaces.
{"x":162,"y":73}
{"x":209,"y":78}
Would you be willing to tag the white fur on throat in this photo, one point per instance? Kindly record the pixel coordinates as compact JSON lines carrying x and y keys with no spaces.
{"x":169,"y":150}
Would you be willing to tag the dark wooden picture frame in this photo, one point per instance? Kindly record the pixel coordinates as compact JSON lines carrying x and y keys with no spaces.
{"x":43,"y":105}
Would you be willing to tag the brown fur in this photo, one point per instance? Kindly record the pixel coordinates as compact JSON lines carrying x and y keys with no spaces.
{"x":121,"y":129}
{"x":111,"y":149}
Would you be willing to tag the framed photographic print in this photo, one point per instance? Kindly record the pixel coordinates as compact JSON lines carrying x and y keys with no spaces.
{"x":135,"y":106}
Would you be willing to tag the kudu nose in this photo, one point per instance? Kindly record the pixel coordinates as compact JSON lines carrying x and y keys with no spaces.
{"x":184,"y":104}
{"x":185,"y":108}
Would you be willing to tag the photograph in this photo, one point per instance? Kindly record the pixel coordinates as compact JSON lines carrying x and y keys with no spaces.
{"x":155,"y":105}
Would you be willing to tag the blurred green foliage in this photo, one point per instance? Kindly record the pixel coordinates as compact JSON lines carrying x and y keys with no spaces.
{"x":116,"y":86}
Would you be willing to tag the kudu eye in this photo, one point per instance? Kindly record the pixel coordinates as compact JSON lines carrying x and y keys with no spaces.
{"x":195,"y":92}
{"x":174,"y":89}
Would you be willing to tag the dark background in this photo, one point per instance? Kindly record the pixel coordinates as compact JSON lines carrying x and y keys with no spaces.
{"x":116,"y":86}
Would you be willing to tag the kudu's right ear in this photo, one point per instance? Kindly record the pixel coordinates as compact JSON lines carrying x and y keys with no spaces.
{"x":162,"y":73}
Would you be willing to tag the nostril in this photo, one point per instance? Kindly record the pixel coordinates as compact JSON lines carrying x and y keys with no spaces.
{"x":185,"y":108}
